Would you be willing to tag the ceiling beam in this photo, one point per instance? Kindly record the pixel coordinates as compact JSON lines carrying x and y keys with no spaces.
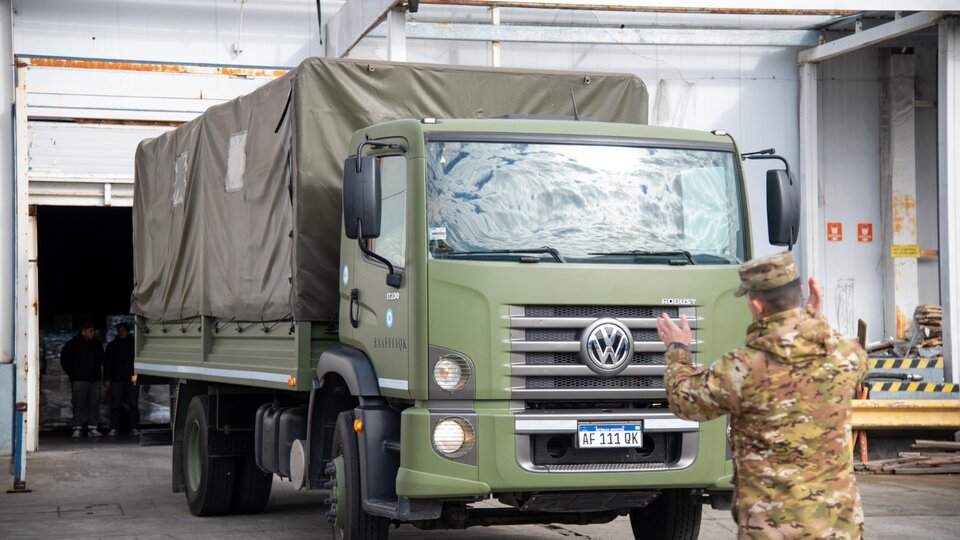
{"x":356,"y":18}
{"x":608,"y":35}
{"x":866,"y":38}
{"x":739,"y":7}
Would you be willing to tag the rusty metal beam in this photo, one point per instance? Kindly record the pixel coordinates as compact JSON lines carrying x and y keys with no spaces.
{"x":120,"y":65}
{"x":906,"y":414}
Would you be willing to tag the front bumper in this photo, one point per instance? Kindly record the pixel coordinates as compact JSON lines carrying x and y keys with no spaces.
{"x":504,"y":460}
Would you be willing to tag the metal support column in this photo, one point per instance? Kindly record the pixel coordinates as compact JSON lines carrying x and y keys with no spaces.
{"x":898,"y":191}
{"x":7,"y":198}
{"x":26,"y":339}
{"x":6,"y":184}
{"x":495,"y":45}
{"x":810,"y":242}
{"x":397,"y":35}
{"x":948,"y":159}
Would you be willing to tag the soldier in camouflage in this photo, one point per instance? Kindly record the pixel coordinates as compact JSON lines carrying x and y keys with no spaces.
{"x":788,"y":393}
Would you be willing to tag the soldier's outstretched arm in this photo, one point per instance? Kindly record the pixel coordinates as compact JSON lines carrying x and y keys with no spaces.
{"x":698,"y":393}
{"x":703,"y":393}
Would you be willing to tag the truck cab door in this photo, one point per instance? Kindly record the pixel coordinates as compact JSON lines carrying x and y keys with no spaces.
{"x":383,"y":324}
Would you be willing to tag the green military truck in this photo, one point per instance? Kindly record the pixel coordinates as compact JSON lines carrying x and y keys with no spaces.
{"x":424,"y":287}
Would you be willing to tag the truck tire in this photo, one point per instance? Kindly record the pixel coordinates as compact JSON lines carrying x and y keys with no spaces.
{"x":349,"y":520}
{"x":251,"y":489}
{"x":208,"y":480}
{"x":674,"y":515}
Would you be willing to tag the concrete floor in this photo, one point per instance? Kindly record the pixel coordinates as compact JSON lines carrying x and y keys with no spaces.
{"x":113,"y":488}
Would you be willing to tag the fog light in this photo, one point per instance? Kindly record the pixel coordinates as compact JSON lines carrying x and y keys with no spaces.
{"x":453,"y":437}
{"x":451,"y":373}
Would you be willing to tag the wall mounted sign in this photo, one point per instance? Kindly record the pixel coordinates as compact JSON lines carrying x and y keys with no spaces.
{"x":904,"y":251}
{"x":834,"y":232}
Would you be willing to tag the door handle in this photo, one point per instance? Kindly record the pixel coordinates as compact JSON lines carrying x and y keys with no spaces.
{"x":355,"y":307}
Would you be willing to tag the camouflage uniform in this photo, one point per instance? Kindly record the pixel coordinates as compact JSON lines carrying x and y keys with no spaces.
{"x":788,"y":395}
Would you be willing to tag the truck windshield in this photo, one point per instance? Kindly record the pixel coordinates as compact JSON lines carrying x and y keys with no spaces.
{"x":583,"y":203}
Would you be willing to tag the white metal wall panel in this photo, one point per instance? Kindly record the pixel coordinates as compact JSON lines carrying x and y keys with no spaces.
{"x":850,"y":179}
{"x":82,"y":164}
{"x":272,"y":33}
{"x":109,"y":107}
{"x":165,"y":95}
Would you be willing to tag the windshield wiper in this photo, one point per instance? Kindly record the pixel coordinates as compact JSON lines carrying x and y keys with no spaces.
{"x":541,"y":250}
{"x":642,"y":253}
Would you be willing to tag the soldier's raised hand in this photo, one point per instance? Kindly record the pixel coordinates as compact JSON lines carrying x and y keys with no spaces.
{"x":671,"y":333}
{"x":815,"y":300}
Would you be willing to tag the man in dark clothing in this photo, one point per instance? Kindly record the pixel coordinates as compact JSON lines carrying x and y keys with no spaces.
{"x":118,"y":378}
{"x":82,"y":361}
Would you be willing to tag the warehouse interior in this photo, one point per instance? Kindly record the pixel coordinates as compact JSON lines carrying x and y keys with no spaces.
{"x":86,"y":271}
{"x":86,"y":275}
{"x":865,"y":106}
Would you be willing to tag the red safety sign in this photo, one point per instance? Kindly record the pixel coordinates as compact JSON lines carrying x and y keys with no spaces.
{"x":834,"y":232}
{"x":865,"y":232}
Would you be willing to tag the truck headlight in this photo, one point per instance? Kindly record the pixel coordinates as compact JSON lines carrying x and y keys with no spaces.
{"x":453,"y":437}
{"x":451,"y":373}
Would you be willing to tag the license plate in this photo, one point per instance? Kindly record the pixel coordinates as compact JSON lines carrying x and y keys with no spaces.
{"x":609,"y":435}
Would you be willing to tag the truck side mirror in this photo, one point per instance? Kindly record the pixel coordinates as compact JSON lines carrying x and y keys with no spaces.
{"x":361,"y":197}
{"x":783,"y":208}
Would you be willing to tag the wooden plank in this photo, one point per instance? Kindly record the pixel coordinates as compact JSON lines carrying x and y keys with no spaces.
{"x":943,"y":445}
{"x":953,"y":469}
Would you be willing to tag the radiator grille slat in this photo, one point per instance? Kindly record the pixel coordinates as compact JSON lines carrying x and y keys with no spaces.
{"x":617,"y":312}
{"x":569,"y":359}
{"x":574,"y":382}
{"x":573,"y":334}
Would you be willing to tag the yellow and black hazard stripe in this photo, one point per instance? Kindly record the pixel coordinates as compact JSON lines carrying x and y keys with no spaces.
{"x":907,"y":363}
{"x":913,"y":387}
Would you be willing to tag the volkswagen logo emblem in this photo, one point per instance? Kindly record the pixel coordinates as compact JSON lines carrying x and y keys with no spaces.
{"x":606,"y":347}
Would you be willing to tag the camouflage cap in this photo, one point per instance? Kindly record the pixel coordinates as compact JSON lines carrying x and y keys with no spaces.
{"x":767,"y":273}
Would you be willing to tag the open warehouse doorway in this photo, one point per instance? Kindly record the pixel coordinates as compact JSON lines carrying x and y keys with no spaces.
{"x":85,"y":257}
{"x":85,"y":273}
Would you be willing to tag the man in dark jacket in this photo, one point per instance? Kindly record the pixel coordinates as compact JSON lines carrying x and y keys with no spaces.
{"x":82,"y":361}
{"x":118,"y":378}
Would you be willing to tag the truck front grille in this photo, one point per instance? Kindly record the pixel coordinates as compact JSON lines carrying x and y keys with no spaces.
{"x":594,"y":382}
{"x":545,"y":352}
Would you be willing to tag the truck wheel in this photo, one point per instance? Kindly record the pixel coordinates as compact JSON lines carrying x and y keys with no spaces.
{"x":674,"y":515}
{"x":349,"y":520}
{"x":208,"y":480}
{"x":251,"y":489}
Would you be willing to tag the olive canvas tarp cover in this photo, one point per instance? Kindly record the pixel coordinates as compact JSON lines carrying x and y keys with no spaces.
{"x":237,"y":212}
